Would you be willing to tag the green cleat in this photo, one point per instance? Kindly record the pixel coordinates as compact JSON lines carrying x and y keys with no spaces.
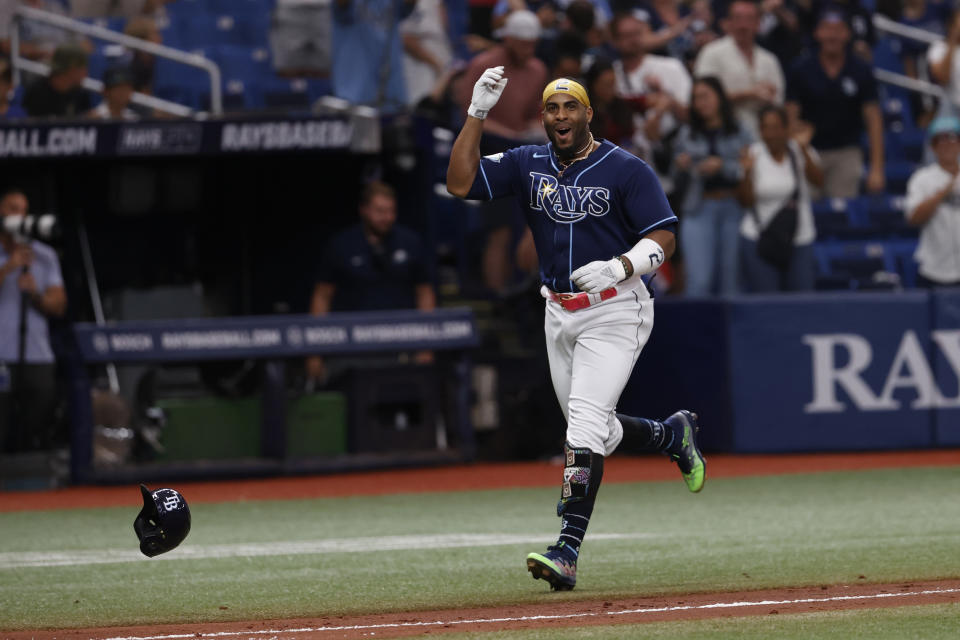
{"x":692,"y":464}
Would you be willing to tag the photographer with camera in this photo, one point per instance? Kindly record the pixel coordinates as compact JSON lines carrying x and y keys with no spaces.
{"x":31,"y":291}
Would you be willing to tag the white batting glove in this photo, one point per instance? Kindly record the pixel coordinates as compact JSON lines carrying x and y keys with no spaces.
{"x":486,"y":92}
{"x":598,"y":275}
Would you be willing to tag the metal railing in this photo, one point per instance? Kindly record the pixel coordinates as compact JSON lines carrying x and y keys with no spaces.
{"x":886,"y":25}
{"x":191,"y":59}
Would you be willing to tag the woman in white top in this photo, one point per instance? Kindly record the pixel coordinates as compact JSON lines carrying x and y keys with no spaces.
{"x":933,"y":203}
{"x":772,"y":169}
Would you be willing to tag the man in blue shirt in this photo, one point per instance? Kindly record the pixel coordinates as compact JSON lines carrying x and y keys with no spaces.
{"x":600,"y":221}
{"x":29,"y":275}
{"x":837,"y":93}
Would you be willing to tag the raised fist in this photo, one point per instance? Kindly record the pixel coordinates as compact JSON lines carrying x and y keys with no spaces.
{"x":486,"y":92}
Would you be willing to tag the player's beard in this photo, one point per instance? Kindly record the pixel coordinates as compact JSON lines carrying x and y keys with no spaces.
{"x":581,"y":136}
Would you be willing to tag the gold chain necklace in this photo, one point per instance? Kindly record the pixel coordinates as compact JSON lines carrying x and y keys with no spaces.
{"x":586,"y":148}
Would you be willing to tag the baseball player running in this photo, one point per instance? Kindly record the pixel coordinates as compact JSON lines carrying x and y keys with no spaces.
{"x":600,"y":221}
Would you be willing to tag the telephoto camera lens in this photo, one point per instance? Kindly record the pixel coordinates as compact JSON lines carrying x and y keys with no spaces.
{"x":42,"y":227}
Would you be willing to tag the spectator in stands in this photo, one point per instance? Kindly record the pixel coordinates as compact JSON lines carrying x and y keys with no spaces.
{"x":612,"y":115}
{"x":480,"y":23}
{"x":118,"y":8}
{"x":568,"y":53}
{"x":933,"y":204}
{"x":864,"y":36}
{"x":366,"y":39}
{"x":517,"y":115}
{"x":780,"y":30}
{"x":142,"y":63}
{"x":700,"y":33}
{"x":658,"y":85}
{"x":546,"y":10}
{"x":837,"y":94}
{"x":8,"y":109}
{"x":669,"y":22}
{"x":708,"y":167}
{"x":426,"y":47}
{"x":776,"y":171}
{"x":62,"y":93}
{"x":750,"y":75}
{"x":117,"y":92}
{"x":580,"y":18}
{"x":37,"y":40}
{"x":929,"y":15}
{"x":602,"y":11}
{"x":945,"y":65}
{"x":373,"y":265}
{"x":29,"y":274}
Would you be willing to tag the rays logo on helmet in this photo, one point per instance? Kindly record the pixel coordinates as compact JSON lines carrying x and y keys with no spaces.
{"x":171,"y":502}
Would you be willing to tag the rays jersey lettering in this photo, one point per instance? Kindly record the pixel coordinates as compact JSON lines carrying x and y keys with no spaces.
{"x":564,"y":203}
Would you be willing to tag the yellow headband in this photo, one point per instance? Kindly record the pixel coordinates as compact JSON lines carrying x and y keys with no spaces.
{"x":569,"y":87}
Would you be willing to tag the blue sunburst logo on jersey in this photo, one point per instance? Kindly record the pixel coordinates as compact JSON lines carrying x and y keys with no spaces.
{"x":564,"y":203}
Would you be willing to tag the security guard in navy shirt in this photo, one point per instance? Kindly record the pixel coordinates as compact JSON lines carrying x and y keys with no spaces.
{"x":374,"y":265}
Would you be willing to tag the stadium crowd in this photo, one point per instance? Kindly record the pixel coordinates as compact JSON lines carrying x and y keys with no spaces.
{"x":790,"y":166}
{"x":754,"y":114}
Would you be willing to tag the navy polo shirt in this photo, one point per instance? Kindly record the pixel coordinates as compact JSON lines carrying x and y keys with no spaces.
{"x":833,"y":105}
{"x":374,"y":278}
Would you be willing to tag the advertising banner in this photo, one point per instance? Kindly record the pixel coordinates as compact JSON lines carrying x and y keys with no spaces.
{"x":833,"y":372}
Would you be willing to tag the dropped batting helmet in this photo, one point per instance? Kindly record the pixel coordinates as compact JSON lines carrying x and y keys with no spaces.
{"x":163,"y":522}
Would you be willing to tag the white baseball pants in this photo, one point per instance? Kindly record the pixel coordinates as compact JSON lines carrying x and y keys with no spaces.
{"x":592,"y":352}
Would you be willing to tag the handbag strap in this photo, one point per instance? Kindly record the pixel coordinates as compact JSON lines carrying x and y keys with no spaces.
{"x":794,"y":197}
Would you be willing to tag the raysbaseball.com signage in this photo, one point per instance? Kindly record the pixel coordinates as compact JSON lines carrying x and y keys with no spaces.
{"x":275,"y":336}
{"x":306,"y":134}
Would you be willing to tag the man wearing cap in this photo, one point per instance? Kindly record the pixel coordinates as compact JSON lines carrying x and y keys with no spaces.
{"x":933,"y":204}
{"x":600,"y":221}
{"x":520,"y":104}
{"x":62,"y":93}
{"x":837,"y":94}
{"x":117,"y":91}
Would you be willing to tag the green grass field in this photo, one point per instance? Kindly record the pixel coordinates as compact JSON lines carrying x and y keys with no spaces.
{"x":263,"y":560}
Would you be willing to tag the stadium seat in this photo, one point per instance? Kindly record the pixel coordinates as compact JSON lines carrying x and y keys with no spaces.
{"x":907,"y":145}
{"x":97,"y":63}
{"x":831,"y":224}
{"x":861,"y":265}
{"x":185,"y":8}
{"x":237,"y":7}
{"x":886,"y":55}
{"x":245,"y":73}
{"x":902,"y":253}
{"x":286,"y":93}
{"x":182,"y":83}
{"x":209,"y":30}
{"x":839,"y":218}
{"x":898,"y":174}
{"x":114,"y":24}
{"x":885,"y":215}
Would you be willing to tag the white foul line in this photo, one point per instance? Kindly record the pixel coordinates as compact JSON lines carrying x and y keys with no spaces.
{"x":33,"y":559}
{"x":567,"y":616}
